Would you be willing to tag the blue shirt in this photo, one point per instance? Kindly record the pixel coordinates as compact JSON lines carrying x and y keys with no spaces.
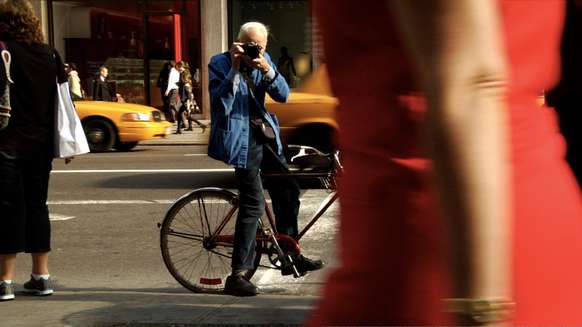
{"x":230,"y":112}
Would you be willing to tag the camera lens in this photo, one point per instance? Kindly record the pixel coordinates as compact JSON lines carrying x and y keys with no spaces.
{"x":252,"y":50}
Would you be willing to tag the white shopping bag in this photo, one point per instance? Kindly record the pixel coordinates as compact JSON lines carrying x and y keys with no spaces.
{"x":70,"y":138}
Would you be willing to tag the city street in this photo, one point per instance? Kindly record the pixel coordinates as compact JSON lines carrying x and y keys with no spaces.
{"x":105,"y":208}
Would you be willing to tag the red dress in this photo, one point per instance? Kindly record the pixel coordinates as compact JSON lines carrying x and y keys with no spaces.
{"x":394,"y":264}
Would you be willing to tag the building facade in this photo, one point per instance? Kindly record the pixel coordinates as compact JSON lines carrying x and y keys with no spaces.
{"x":134,"y":38}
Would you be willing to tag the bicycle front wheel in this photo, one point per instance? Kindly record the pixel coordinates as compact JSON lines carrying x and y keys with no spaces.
{"x":196,"y":239}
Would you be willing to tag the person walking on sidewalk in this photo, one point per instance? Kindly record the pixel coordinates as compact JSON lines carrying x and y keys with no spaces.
{"x":26,"y":147}
{"x":173,"y":92}
{"x":239,"y":80}
{"x":189,"y":104}
{"x":162,"y":84}
{"x":74,"y":81}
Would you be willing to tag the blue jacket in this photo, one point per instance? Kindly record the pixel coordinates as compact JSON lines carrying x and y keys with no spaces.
{"x":229,"y":102}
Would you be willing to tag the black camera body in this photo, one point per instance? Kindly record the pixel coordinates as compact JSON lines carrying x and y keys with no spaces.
{"x":252,"y":50}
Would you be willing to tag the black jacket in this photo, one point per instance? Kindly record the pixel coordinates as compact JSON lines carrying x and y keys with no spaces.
{"x":102,"y":90}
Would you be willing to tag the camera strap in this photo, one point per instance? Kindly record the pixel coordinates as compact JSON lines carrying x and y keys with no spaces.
{"x":260,"y":125}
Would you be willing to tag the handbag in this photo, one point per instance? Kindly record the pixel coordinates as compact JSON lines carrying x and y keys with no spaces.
{"x":70,"y":137}
{"x":263,"y":128}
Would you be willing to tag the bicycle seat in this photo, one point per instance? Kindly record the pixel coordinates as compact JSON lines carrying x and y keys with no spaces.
{"x":306,"y":158}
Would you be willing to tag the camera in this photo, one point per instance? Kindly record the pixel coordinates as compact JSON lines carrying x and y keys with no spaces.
{"x":252,"y":50}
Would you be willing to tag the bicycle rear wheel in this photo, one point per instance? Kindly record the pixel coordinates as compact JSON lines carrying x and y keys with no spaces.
{"x":196,"y":239}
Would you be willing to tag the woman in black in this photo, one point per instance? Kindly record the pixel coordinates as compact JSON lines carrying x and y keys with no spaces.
{"x":26,"y":147}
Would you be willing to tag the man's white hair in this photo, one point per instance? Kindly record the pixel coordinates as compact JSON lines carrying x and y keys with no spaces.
{"x":253,"y":26}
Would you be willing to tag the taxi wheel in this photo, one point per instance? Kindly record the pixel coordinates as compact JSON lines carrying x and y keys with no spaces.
{"x":100,"y":135}
{"x":125,"y":146}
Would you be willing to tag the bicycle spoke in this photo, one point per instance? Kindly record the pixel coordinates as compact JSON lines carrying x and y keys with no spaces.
{"x":185,"y":236}
{"x":198,"y":262}
{"x":203,"y":207}
{"x":188,"y":220}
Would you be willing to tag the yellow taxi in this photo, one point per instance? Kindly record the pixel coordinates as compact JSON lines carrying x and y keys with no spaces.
{"x":309,"y":116}
{"x":120,"y":125}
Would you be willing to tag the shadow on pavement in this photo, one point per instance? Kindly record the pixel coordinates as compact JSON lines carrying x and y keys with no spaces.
{"x":192,"y":180}
{"x":144,"y":308}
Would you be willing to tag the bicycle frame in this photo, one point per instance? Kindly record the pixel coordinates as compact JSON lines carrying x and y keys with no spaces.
{"x":293,"y":243}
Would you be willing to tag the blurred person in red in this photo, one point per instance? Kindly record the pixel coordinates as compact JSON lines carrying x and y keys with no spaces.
{"x":461,"y":193}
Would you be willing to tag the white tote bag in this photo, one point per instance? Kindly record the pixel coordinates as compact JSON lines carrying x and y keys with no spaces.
{"x":70,"y":138}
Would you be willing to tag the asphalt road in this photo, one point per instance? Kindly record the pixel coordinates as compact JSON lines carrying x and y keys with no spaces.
{"x":105,"y":208}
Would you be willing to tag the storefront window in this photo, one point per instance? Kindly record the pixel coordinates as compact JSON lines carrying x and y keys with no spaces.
{"x":132,"y":38}
{"x":290,"y":25}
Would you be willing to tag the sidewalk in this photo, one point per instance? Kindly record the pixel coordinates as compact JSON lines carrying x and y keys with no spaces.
{"x":196,"y":137}
{"x":151,"y":308}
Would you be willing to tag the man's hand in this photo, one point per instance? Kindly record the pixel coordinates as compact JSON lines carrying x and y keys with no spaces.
{"x":236,"y":53}
{"x":259,"y":63}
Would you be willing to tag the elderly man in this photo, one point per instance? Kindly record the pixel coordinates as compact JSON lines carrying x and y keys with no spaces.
{"x":239,"y":80}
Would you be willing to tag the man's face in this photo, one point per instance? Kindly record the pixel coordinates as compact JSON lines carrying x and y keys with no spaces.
{"x":104,"y":72}
{"x":256,"y":37}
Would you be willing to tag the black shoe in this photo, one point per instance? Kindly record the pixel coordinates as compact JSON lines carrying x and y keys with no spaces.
{"x":178,"y":131}
{"x":189,"y":129}
{"x":303,"y":265}
{"x":248,"y":274}
{"x":237,"y":285}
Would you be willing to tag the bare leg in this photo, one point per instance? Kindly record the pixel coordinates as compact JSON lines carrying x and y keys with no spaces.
{"x":7,"y":266}
{"x":40,"y":263}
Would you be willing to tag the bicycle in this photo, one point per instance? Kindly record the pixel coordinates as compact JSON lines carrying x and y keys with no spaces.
{"x":197,"y":233}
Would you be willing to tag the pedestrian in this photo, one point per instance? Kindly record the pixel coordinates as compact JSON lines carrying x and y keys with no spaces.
{"x":462,"y":197}
{"x":185,"y":96}
{"x":103,"y":90}
{"x":74,"y":81}
{"x":162,"y":84}
{"x":239,"y":81}
{"x":188,"y":102}
{"x":27,"y":148}
{"x":173,"y":92}
{"x":286,"y":67}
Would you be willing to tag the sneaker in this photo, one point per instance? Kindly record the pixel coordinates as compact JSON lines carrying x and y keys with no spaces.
{"x":6,"y":292}
{"x":40,"y":287}
{"x":238,"y":285}
{"x":303,"y":265}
